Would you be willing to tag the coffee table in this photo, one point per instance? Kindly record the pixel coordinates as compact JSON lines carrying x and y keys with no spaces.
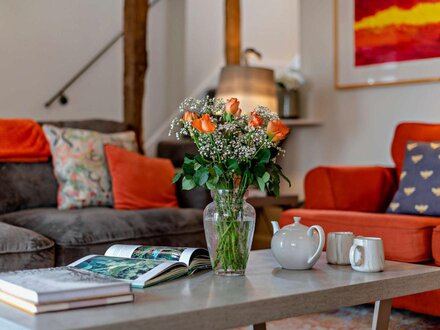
{"x":205,"y":301}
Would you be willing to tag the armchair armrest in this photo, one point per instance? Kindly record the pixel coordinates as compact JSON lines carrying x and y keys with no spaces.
{"x":364,"y":189}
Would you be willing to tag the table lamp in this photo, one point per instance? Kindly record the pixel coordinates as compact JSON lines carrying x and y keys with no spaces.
{"x":252,"y":86}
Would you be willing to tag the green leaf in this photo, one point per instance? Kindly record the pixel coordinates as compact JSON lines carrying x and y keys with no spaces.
{"x":188,"y":184}
{"x":210,"y":186}
{"x":263,"y":156}
{"x":276,"y":185}
{"x":201,"y":176}
{"x":233,"y":165}
{"x":260,"y":183}
{"x":266,"y":177}
{"x":259,"y":170}
{"x":177,"y":177}
{"x":199,"y":159}
{"x":218,"y":170}
{"x":188,"y":168}
{"x":188,"y":159}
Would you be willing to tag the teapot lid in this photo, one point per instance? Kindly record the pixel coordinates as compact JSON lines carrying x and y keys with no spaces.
{"x":296,"y":225}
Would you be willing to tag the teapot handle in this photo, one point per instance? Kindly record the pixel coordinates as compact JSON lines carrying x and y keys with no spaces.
{"x":318,"y":252}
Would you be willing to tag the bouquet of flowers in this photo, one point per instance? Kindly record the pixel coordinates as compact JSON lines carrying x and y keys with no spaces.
{"x":236,"y":150}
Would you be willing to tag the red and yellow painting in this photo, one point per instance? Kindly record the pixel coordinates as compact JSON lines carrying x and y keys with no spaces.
{"x":396,"y":30}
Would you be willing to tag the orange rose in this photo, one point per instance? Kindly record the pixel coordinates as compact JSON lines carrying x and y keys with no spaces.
{"x":256,"y":120}
{"x":189,"y":116}
{"x":232,"y":106}
{"x":276,"y":130}
{"x":203,"y":124}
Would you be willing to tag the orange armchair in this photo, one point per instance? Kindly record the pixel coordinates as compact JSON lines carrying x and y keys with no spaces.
{"x":356,"y":198}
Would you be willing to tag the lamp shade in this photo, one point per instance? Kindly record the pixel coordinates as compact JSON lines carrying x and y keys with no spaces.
{"x":252,"y":86}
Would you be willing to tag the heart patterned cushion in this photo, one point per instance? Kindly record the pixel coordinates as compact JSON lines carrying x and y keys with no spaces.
{"x":419,"y":187}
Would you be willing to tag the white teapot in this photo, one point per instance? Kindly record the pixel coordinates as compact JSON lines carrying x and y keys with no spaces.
{"x":295,"y":246}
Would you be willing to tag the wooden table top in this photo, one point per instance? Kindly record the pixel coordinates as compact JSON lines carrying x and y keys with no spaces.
{"x":267,"y":292}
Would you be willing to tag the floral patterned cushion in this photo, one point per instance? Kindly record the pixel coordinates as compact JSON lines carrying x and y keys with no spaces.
{"x":80,"y":165}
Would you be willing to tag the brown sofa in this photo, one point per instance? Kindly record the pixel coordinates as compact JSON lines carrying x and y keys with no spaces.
{"x":34,"y":233}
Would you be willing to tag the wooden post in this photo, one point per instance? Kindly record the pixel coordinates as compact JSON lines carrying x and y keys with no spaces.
{"x":135,"y":63}
{"x":232,"y":32}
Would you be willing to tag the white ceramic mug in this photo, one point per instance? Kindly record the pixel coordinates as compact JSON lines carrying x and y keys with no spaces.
{"x":366,"y":254}
{"x":338,"y":247}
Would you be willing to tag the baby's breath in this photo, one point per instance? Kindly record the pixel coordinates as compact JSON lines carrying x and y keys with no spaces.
{"x":232,"y":139}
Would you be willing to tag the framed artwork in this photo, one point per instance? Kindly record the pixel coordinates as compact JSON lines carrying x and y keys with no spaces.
{"x":386,"y":42}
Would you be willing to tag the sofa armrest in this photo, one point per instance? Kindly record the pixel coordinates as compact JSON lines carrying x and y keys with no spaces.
{"x":364,"y":189}
{"x":196,"y":198}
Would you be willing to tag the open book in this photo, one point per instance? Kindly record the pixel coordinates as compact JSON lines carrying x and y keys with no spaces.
{"x":145,"y":266}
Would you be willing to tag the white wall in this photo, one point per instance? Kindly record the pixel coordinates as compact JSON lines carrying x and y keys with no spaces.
{"x":271,"y":28}
{"x":44,"y":42}
{"x":166,"y":56}
{"x":357,"y":124}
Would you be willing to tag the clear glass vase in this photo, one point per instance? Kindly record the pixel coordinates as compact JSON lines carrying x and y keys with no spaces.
{"x":229,"y":223}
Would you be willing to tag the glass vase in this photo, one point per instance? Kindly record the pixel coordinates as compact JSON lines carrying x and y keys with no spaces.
{"x":229,"y":223}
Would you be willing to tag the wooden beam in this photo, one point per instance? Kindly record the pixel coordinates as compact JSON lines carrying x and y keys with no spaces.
{"x":135,"y":63}
{"x":232,"y":32}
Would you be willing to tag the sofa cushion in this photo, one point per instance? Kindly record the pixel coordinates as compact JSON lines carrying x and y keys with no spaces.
{"x":419,"y":187}
{"x":406,"y":238}
{"x":411,"y":131}
{"x":140,"y":182}
{"x":75,"y":229}
{"x":80,"y":164}
{"x":22,"y":249}
{"x":359,"y":188}
{"x":25,"y":186}
{"x":424,"y":303}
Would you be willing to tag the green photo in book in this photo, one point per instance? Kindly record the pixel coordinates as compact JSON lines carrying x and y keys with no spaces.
{"x":122,"y":268}
{"x":157,"y":253}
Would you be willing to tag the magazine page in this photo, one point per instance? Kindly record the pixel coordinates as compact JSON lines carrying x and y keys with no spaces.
{"x":136,"y":271}
{"x":194,"y":258}
{"x":121,"y":250}
{"x":159,"y":253}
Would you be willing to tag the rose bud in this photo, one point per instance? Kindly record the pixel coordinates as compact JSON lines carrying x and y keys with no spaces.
{"x":189,"y":116}
{"x":255,"y":120}
{"x":204,"y":124}
{"x":276,"y":130}
{"x":232,"y":106}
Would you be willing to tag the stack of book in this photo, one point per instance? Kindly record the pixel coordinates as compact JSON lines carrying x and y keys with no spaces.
{"x":62,"y":288}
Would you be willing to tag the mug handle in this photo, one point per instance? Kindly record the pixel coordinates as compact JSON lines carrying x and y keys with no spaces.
{"x":321,"y":243}
{"x":353,"y":260}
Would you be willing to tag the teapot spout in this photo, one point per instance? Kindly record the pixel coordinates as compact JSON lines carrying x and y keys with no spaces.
{"x":275,"y":226}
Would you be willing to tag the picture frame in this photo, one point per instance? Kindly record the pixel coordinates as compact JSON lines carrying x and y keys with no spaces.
{"x":359,"y":62}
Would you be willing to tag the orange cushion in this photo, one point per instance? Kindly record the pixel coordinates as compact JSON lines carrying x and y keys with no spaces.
{"x":365,"y":189}
{"x":436,"y":245}
{"x":139,"y":182}
{"x":406,"y":238}
{"x":411,"y":132}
